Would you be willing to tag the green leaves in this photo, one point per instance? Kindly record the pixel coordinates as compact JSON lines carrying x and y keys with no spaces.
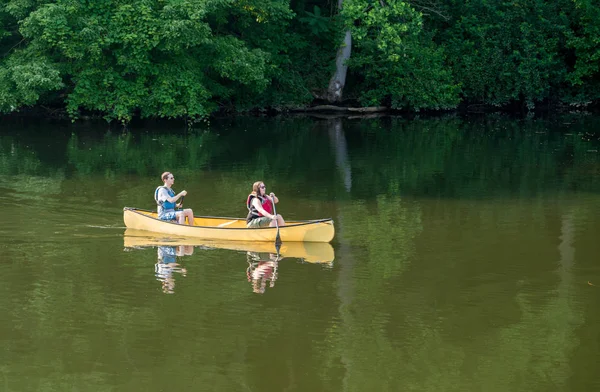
{"x":155,"y":58}
{"x":507,"y":51}
{"x":584,"y":40}
{"x":23,"y":80}
{"x":234,"y":61}
{"x":317,"y":23}
{"x":186,"y":58}
{"x":400,"y":65}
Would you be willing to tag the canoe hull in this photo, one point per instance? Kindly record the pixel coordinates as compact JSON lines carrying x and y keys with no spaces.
{"x":230,"y":229}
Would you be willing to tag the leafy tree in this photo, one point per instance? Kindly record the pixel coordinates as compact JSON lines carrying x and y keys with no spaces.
{"x":187,"y":58}
{"x":504,"y":51}
{"x":583,"y":41}
{"x":398,"y":63}
{"x":152,"y":57}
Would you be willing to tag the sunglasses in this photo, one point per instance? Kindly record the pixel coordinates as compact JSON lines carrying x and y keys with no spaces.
{"x":262,"y":187}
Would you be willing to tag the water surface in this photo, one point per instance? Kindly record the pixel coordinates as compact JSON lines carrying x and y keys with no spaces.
{"x":465,"y":257}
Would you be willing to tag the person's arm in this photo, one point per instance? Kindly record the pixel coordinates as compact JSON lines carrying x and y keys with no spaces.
{"x":163,"y":195}
{"x":177,"y":196}
{"x":259,"y":208}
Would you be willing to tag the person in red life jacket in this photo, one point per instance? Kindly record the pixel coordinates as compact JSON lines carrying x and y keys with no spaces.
{"x":260,"y":208}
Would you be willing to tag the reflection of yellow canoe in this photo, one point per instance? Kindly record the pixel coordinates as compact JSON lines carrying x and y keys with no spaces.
{"x":312,"y":252}
{"x":230,"y":229}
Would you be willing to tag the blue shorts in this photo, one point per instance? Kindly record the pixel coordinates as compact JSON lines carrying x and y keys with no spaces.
{"x":168,"y":216}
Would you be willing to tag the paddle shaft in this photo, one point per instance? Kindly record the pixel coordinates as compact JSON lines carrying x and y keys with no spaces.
{"x":277,"y":238}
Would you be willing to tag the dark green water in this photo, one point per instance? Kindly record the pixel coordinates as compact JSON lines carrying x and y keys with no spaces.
{"x":466,"y":258}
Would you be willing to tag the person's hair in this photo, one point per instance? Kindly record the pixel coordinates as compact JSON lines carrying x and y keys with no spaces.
{"x":256,"y":188}
{"x":255,"y":192}
{"x":164,"y":176}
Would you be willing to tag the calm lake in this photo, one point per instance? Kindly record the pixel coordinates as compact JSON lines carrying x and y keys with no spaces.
{"x":466,"y":257}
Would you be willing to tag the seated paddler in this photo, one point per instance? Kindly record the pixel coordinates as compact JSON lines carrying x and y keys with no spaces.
{"x":166,"y":201}
{"x":261,"y":207}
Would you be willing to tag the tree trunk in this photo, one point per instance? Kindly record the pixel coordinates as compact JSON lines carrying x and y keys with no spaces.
{"x":338,"y":80}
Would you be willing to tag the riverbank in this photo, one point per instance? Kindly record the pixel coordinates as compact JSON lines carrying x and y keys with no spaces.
{"x":318,"y":111}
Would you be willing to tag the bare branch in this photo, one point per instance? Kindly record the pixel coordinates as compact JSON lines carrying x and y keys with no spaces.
{"x":9,"y":50}
{"x":432,"y":6}
{"x":434,"y":11}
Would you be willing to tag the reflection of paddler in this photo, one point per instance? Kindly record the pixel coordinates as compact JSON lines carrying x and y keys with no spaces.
{"x":166,"y":254}
{"x":167,"y":264}
{"x":261,"y":270}
{"x":311,"y":252}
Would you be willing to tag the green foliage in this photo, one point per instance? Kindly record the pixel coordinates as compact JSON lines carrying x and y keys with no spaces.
{"x":172,"y":58}
{"x":400,"y":65}
{"x":503,"y":51}
{"x":298,"y":60}
{"x":317,"y":23}
{"x":186,"y":58}
{"x":23,"y":80}
{"x":156,"y":58}
{"x":584,"y":40}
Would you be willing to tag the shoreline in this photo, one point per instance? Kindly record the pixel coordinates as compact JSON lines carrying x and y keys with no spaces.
{"x":322,"y":111}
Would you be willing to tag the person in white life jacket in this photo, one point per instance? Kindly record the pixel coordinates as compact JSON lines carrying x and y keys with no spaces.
{"x":166,"y":202}
{"x":260,"y":208}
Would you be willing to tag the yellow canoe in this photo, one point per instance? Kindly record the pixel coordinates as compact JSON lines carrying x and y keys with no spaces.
{"x":312,"y":252}
{"x":230,"y":229}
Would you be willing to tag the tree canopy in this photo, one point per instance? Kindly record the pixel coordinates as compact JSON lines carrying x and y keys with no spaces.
{"x":188,"y":58}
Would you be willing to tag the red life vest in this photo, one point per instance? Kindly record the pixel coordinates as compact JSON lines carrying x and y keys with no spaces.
{"x":265,"y":203}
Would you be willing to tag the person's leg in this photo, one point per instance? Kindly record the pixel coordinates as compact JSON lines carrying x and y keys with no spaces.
{"x":180,"y":217}
{"x":190,"y":216}
{"x":279,"y":222}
